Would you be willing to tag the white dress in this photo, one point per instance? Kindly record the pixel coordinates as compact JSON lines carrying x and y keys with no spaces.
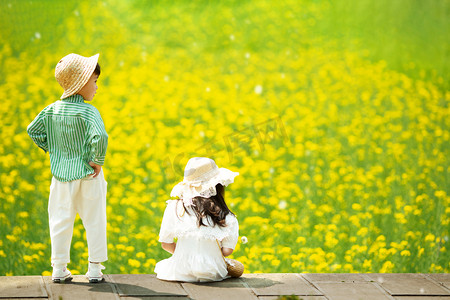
{"x":197,"y":256}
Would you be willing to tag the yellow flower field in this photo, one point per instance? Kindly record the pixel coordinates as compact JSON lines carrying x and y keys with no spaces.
{"x":343,"y":161}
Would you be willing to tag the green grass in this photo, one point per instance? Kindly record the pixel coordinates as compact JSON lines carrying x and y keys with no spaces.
{"x":410,"y":35}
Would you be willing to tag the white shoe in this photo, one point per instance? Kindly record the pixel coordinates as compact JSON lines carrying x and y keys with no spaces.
{"x":94,"y":273}
{"x":61,"y":274}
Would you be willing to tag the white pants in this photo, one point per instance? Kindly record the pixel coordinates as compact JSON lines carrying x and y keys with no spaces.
{"x":87,"y":197}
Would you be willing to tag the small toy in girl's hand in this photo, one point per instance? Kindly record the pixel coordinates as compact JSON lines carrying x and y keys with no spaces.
{"x":205,"y":228}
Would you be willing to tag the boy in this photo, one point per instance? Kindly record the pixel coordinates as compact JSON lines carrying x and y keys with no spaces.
{"x":73,"y":133}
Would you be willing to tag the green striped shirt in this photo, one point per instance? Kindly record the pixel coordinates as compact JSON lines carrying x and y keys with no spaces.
{"x":74,"y":134}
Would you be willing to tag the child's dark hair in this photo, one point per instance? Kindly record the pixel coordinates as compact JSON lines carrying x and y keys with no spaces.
{"x":214,"y":207}
{"x":97,"y":70}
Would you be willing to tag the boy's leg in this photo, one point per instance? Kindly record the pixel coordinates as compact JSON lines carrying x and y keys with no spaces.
{"x":61,"y":215}
{"x":91,"y":206}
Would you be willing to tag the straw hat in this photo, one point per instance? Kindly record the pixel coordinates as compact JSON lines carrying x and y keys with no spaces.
{"x":201,"y":176}
{"x":73,"y":71}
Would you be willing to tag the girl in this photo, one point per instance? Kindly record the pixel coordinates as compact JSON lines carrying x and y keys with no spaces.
{"x":205,"y":228}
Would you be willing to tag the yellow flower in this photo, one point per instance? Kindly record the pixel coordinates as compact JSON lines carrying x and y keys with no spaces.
{"x":440,"y":194}
{"x":387,"y":267}
{"x":11,"y":238}
{"x":134,"y":263}
{"x":150,"y":263}
{"x":38,"y":246}
{"x":363,"y":231}
{"x":430,"y":237}
{"x":348,"y":268}
{"x":23,"y":214}
{"x":435,"y":268}
{"x":405,"y":253}
{"x":120,"y":247}
{"x":410,"y":234}
{"x":330,"y":240}
{"x":407,"y":209}
{"x":420,"y":252}
{"x":27,"y":258}
{"x":275,"y":262}
{"x":367,"y":264}
{"x":356,"y":206}
{"x":79,"y":245}
{"x":400,"y":218}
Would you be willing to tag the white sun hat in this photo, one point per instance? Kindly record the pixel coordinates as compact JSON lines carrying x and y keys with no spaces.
{"x":201,"y":176}
{"x":73,"y":72}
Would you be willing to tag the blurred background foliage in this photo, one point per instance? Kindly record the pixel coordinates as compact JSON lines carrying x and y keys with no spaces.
{"x":335,"y":113}
{"x":410,"y":35}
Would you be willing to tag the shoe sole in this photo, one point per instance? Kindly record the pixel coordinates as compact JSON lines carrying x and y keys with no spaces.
{"x":96,"y":280}
{"x":62,"y":280}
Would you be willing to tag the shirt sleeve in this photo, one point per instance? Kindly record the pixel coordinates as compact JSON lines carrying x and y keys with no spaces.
{"x":37,"y":132}
{"x":167,"y":232}
{"x":98,"y":140}
{"x":231,"y":239}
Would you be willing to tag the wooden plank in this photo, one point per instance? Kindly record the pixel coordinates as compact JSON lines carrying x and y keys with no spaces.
{"x":300,"y":298}
{"x":227,"y":289}
{"x":80,"y":288}
{"x":422,"y":298}
{"x":22,"y":286}
{"x":352,"y":290}
{"x":335,"y":277}
{"x":441,"y":278}
{"x":21,"y":298}
{"x":145,"y":285}
{"x":279,"y":284}
{"x":408,"y":284}
{"x":250,"y":286}
{"x":151,"y":298}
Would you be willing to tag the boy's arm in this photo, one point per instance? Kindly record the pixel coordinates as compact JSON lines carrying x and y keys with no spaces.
{"x":99,"y":142}
{"x":36,"y":130}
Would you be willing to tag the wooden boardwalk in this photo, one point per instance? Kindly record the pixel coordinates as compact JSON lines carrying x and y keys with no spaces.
{"x":250,"y":286}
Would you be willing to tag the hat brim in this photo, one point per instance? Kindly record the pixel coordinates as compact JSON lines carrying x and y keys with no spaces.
{"x":191,"y":189}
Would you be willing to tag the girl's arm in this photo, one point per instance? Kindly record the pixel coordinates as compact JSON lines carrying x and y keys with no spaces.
{"x":232,"y":238}
{"x":169,"y":247}
{"x":226,"y":251}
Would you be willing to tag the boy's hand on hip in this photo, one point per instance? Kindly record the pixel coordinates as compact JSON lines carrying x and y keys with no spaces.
{"x":97,"y":168}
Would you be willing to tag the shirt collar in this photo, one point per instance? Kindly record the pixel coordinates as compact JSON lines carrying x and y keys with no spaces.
{"x":74,"y":99}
